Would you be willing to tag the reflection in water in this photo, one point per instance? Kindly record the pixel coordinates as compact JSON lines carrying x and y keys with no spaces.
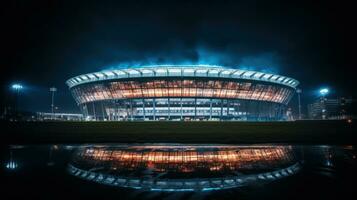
{"x":301,"y":171}
{"x":11,"y":164}
{"x":183,"y":168}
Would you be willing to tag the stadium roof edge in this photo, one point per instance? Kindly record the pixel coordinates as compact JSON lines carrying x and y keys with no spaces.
{"x":213,"y":71}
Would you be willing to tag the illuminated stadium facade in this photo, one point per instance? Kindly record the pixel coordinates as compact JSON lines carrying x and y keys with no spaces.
{"x":177,"y":92}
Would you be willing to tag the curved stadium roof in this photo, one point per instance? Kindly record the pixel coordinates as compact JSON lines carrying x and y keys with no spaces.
{"x":182,"y":71}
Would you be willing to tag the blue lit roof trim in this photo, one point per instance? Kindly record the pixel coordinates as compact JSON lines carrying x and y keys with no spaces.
{"x":181,"y":71}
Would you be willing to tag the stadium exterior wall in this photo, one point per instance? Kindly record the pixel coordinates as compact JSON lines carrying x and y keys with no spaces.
{"x":182,"y":93}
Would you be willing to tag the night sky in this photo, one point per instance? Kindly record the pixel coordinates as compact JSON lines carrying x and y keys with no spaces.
{"x":44,"y":43}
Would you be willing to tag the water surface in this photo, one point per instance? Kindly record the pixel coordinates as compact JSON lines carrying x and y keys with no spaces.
{"x":177,"y":171}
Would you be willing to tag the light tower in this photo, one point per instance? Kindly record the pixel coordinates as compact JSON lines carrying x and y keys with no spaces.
{"x":17,"y":88}
{"x":52,"y":90}
{"x":323,"y":92}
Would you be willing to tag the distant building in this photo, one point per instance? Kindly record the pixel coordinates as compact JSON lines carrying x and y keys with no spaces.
{"x":10,"y":114}
{"x":42,"y":116}
{"x":340,"y":108}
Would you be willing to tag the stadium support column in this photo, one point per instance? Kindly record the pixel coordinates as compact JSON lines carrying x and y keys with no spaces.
{"x":103,"y":116}
{"x":95,"y":117}
{"x":168,"y":106}
{"x":85,"y":110}
{"x":221,"y":110}
{"x":237,"y":108}
{"x":284,"y":109}
{"x":131,"y":110}
{"x":258,"y":111}
{"x":154,"y":108}
{"x":117,"y":110}
{"x":181,"y":108}
{"x":281,"y":114}
{"x":144,"y":114}
{"x":82,"y":111}
{"x":195,"y":108}
{"x":210,"y":109}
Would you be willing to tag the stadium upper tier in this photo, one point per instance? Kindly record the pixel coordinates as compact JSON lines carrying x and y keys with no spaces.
{"x":199,"y":71}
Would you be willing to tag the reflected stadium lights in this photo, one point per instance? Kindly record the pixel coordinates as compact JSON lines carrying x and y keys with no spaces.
{"x":11,"y":165}
{"x":199,"y":168}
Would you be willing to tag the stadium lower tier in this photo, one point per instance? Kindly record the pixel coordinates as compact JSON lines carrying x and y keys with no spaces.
{"x":185,"y":109}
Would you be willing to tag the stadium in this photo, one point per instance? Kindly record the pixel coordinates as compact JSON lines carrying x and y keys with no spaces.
{"x":182,"y":92}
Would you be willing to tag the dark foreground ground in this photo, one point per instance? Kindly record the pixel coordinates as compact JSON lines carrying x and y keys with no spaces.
{"x":303,"y":132}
